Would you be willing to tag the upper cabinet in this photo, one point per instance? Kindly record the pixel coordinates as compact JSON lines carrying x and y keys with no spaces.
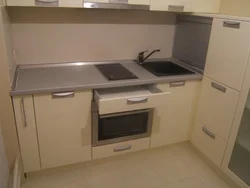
{"x":205,"y":6}
{"x":132,"y":2}
{"x":228,"y":52}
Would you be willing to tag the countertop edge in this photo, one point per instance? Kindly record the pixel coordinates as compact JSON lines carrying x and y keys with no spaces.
{"x":101,"y":86}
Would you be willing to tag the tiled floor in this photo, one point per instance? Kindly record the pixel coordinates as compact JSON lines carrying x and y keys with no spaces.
{"x":176,"y":166}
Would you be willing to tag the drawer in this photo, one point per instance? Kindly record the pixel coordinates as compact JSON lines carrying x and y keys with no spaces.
{"x":122,"y":99}
{"x":120,"y":148}
{"x":216,"y":107}
{"x":211,"y":145}
{"x":228,"y":52}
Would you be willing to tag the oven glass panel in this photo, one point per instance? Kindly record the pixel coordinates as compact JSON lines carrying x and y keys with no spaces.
{"x":122,"y":125}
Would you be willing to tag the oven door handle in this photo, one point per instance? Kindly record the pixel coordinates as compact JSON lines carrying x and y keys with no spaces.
{"x":137,"y":100}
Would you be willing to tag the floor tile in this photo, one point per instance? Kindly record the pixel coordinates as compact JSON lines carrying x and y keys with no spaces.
{"x":175,"y":166}
{"x":187,"y":183}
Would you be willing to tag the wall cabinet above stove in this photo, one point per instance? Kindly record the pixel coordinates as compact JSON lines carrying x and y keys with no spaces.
{"x":205,"y":6}
{"x":131,"y":2}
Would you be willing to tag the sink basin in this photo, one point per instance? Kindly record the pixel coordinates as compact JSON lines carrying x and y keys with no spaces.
{"x":165,"y":68}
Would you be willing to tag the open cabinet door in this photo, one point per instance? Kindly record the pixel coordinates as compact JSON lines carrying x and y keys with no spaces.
{"x":236,"y":163}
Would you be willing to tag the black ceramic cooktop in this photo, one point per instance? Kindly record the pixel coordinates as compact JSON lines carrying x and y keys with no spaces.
{"x":115,"y":72}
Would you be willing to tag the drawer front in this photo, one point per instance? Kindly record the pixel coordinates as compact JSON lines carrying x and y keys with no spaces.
{"x":208,"y":143}
{"x":108,"y":106}
{"x":120,"y":148}
{"x":228,"y":52}
{"x":216,"y":108}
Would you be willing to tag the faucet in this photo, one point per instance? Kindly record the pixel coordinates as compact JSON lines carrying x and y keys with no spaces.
{"x":141,"y":59}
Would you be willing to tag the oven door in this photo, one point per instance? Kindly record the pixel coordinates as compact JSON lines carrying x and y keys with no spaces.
{"x":118,"y":127}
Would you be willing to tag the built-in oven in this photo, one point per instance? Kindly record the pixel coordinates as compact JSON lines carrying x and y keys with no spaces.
{"x":118,"y":127}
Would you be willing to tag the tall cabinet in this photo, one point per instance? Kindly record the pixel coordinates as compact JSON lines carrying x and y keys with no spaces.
{"x":226,"y":63}
{"x":236,"y":163}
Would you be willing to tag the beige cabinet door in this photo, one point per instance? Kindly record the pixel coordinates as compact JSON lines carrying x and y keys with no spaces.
{"x":205,"y":6}
{"x":20,"y":2}
{"x":27,"y":132}
{"x":64,"y":127}
{"x":139,"y":2}
{"x":173,"y":122}
{"x":228,"y":52}
{"x":217,"y":106}
{"x":171,"y":5}
{"x":208,"y":143}
{"x":70,"y":3}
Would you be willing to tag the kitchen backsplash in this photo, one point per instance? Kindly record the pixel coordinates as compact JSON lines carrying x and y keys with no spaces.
{"x":49,"y":35}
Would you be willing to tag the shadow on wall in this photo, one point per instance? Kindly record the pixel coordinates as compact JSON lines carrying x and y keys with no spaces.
{"x":74,"y":15}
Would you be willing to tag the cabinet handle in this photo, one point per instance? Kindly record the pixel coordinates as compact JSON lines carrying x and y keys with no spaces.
{"x":24,"y":113}
{"x":208,"y":132}
{"x":122,"y":148}
{"x":119,"y":1}
{"x":231,"y":24}
{"x":179,"y":8}
{"x":137,"y":100}
{"x":63,"y":95}
{"x":46,"y":3}
{"x":219,"y":87}
{"x":177,"y":84}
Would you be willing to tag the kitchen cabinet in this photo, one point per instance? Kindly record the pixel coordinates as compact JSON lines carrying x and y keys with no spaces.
{"x":216,"y":107}
{"x":215,"y":113}
{"x":121,"y":99}
{"x":173,"y":120}
{"x":208,"y":143}
{"x":205,"y":6}
{"x":132,"y":2}
{"x":236,"y":163}
{"x":228,"y":52}
{"x":27,"y":132}
{"x":20,"y":2}
{"x":63,"y":127}
{"x":120,"y":148}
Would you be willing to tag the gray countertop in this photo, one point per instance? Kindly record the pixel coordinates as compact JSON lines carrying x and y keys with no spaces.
{"x":82,"y":76}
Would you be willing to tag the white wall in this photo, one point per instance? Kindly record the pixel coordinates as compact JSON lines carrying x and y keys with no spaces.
{"x":62,"y":35}
{"x":4,"y":170}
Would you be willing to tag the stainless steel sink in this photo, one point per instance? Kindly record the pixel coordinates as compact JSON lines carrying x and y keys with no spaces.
{"x":165,"y":68}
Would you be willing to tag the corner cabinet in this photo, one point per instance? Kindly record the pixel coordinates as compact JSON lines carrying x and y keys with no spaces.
{"x":202,"y":6}
{"x":63,"y":127}
{"x":173,"y":121}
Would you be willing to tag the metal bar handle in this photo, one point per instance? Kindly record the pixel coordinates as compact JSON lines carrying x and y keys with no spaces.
{"x":219,"y":87}
{"x":46,"y":3}
{"x":208,"y":132}
{"x":177,"y":84}
{"x":179,"y":8}
{"x":24,"y":113}
{"x":63,"y":95}
{"x":137,"y":100}
{"x":231,"y":24}
{"x":119,"y":1}
{"x":122,"y":148}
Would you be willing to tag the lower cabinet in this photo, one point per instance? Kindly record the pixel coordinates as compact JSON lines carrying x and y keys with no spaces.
{"x":215,"y":113}
{"x":27,"y":132}
{"x":63,"y":127}
{"x":211,"y":145}
{"x":173,"y":121}
{"x":120,"y":148}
